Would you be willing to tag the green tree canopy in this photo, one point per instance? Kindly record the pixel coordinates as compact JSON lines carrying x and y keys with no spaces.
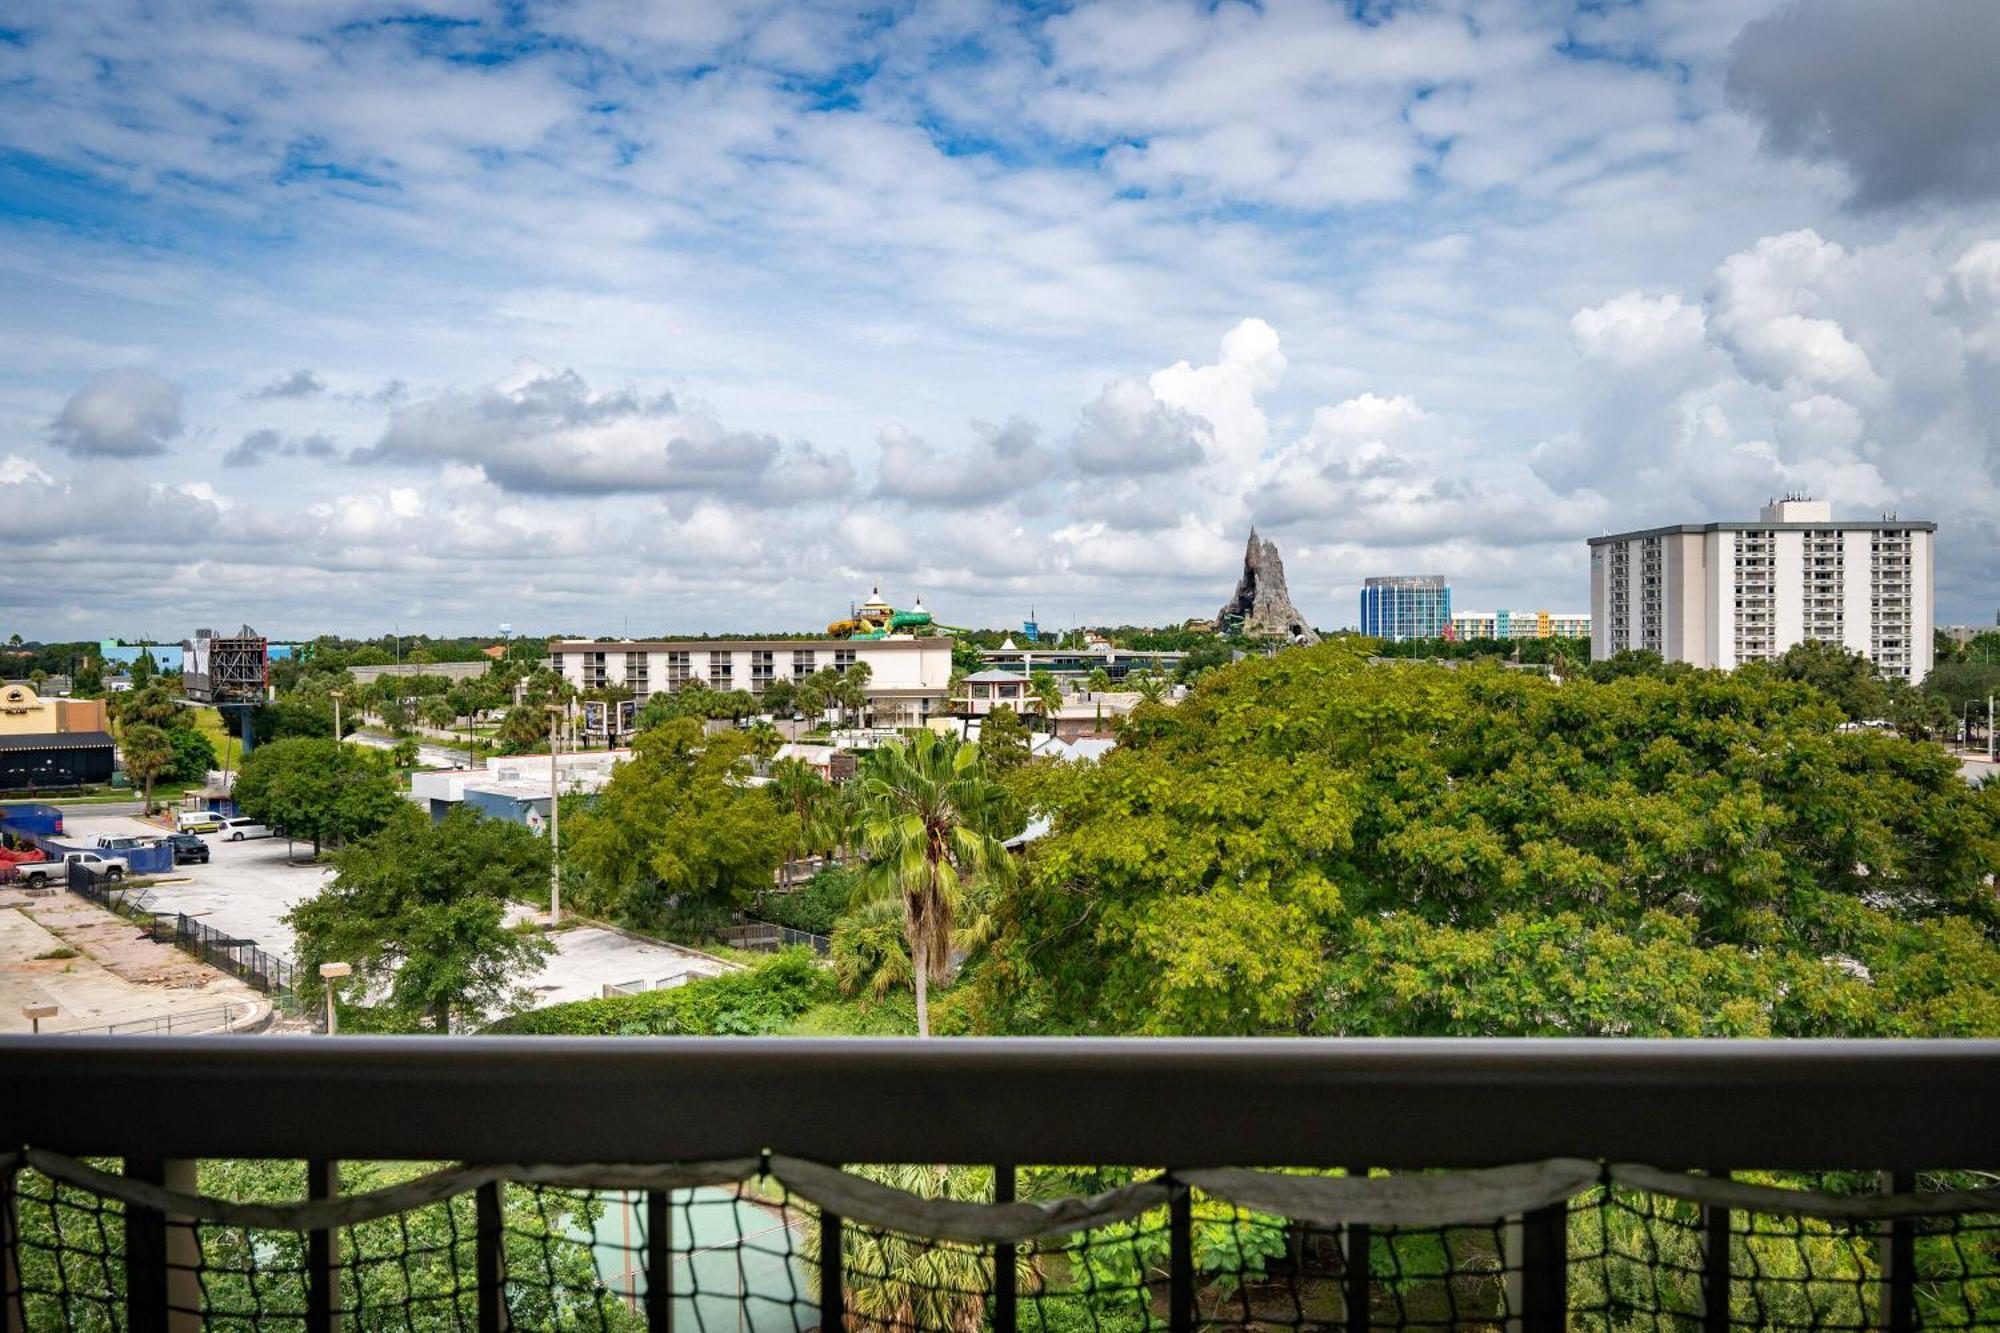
{"x":676,"y":839}
{"x":1004,"y":739}
{"x":318,"y":789}
{"x":417,"y":908}
{"x":1307,"y":843}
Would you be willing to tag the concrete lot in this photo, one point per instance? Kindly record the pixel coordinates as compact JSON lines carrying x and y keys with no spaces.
{"x":247,"y":887}
{"x":117,"y":975}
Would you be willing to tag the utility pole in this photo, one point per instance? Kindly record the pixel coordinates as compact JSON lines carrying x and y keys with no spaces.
{"x":1989,"y":728}
{"x":336,"y":696}
{"x":555,"y":822}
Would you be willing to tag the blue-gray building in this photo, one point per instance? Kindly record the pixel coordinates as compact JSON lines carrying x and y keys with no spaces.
{"x":1406,"y":606}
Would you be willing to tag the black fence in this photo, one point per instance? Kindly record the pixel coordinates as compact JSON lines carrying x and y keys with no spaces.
{"x":241,"y":959}
{"x":1523,"y":1186}
{"x":768,"y":936}
{"x":219,"y":1018}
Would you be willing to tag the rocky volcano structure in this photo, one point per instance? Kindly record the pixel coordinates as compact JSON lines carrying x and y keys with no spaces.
{"x":1261,"y":607}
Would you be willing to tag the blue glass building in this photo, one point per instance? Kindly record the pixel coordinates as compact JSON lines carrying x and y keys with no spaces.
{"x":1406,"y":606}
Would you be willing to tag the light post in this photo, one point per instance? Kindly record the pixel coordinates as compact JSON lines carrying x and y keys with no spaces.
{"x":555,"y":821}
{"x":336,"y":696}
{"x":330,"y":973}
{"x":35,"y":1013}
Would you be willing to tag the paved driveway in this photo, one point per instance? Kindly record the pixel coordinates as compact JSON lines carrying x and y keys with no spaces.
{"x":247,"y":887}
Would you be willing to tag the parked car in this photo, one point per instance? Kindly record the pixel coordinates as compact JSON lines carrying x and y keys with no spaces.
{"x":187,"y":848}
{"x":198,"y":821}
{"x":38,"y":873}
{"x":120,"y":844}
{"x":236,"y":830}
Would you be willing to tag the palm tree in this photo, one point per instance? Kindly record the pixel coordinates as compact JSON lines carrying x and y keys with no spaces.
{"x":1151,"y":688}
{"x":805,"y":797}
{"x":929,"y":808}
{"x":148,"y":753}
{"x":1048,"y":696}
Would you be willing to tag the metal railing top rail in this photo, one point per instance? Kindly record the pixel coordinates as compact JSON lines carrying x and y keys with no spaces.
{"x":1718,"y":1105}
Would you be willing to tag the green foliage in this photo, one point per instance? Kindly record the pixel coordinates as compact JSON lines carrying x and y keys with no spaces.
{"x":194,"y":755}
{"x":417,"y":908}
{"x":932,"y":816}
{"x":88,"y":680}
{"x":148,"y":752}
{"x":1003,"y":740}
{"x":870,"y":955}
{"x":698,"y":700}
{"x":814,"y":908}
{"x":318,"y":789}
{"x":675,"y":841}
{"x":1311,"y":844}
{"x":757,"y":1002}
{"x":1571,"y":650}
{"x":1847,"y":678}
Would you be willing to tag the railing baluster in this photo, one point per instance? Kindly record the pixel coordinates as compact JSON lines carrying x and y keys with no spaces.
{"x":659,"y":1261}
{"x":162,"y":1286}
{"x":1545,"y":1270}
{"x":1715,"y":1271}
{"x":1357,"y":1248}
{"x":832,"y":1305}
{"x":1004,"y":1291}
{"x":1898,"y":1251}
{"x":322,"y":1253}
{"x":492,"y":1259}
{"x":1180,"y":1261}
{"x":13,"y":1301}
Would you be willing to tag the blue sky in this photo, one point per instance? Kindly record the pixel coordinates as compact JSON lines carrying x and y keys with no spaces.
{"x":605,"y":314}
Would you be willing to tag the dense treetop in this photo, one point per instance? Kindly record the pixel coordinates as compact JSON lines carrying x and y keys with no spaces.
{"x":1311,"y":844}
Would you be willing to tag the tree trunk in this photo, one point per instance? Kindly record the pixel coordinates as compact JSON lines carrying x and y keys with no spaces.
{"x":443,"y":1017}
{"x":920,"y":956}
{"x":149,"y":794}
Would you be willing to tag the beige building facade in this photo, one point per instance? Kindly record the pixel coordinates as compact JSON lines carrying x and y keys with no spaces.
{"x":1721,"y":594}
{"x":908,"y":679}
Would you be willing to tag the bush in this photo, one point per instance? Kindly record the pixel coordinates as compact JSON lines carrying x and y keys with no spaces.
{"x":758,"y":1002}
{"x":815,"y":907}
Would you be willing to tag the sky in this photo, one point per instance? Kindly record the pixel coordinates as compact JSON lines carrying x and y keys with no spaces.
{"x":612,"y":317}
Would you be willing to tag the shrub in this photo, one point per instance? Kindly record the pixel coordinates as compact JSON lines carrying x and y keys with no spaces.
{"x":758,"y":1002}
{"x":814,"y":908}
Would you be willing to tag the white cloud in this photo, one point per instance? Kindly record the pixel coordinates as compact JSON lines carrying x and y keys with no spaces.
{"x":119,"y":414}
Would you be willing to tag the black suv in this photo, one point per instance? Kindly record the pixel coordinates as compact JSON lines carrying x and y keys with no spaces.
{"x":187,"y":847}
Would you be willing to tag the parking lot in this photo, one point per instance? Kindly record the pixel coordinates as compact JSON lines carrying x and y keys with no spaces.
{"x":247,"y":887}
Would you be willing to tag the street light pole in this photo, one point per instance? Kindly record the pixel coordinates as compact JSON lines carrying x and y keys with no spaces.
{"x":330,"y":973}
{"x":555,"y":822}
{"x":35,"y":1013}
{"x":336,"y":696}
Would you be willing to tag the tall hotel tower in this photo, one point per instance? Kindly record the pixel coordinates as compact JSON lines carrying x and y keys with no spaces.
{"x":1719,"y":594}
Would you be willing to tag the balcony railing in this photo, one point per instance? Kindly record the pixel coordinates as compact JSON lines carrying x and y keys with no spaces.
{"x":643,"y":1183}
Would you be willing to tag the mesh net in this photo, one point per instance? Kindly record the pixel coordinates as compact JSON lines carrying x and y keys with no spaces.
{"x":743,"y":1257}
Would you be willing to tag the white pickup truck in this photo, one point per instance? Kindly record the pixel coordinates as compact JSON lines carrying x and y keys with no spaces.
{"x":37,"y":873}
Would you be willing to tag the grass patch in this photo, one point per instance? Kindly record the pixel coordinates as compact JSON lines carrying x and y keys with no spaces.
{"x":60,"y":951}
{"x":228,"y":749}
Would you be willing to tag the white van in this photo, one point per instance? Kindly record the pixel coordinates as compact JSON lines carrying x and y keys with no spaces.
{"x":236,"y":830}
{"x":197,"y":821}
